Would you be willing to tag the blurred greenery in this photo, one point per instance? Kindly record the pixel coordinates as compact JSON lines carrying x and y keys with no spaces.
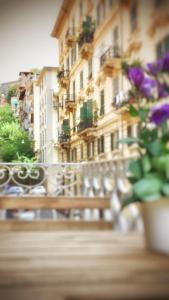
{"x":14,"y":141}
{"x":12,"y":92}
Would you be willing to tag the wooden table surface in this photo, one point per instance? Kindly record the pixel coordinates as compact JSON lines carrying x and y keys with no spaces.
{"x":80,"y":265}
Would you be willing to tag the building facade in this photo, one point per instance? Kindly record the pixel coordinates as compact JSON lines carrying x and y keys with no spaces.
{"x":94,"y":37}
{"x":26,"y":101}
{"x":47,"y":115}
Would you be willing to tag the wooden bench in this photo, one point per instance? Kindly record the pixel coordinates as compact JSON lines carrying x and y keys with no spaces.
{"x":57,"y":203}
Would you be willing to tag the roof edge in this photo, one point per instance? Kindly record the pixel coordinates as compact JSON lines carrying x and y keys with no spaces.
{"x":64,"y":10}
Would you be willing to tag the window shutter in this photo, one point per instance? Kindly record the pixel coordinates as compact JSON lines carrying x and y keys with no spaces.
{"x":89,"y":110}
{"x":102,"y":102}
{"x":66,"y":126}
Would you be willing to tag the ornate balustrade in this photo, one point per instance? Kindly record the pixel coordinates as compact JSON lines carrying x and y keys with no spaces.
{"x":88,"y":180}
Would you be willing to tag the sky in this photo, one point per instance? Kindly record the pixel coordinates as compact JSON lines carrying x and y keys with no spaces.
{"x":25,"y":41}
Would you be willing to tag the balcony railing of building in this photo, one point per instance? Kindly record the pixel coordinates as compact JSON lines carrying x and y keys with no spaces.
{"x":64,"y":139}
{"x":110,"y":53}
{"x":84,"y":125}
{"x":86,"y":37}
{"x":110,"y":61}
{"x":70,"y":102}
{"x":101,"y":187}
{"x":71,"y":37}
{"x":63,"y":78}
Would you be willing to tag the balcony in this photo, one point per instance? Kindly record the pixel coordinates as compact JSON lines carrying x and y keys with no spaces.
{"x":85,"y":45}
{"x":87,"y":130}
{"x":56,"y":104}
{"x":64,"y":140}
{"x":86,"y":37}
{"x":71,"y":37}
{"x":70,"y":102}
{"x":63,"y":78}
{"x":110,"y":61}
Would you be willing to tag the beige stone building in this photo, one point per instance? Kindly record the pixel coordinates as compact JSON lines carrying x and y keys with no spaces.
{"x":47,"y":115}
{"x":27,"y":82}
{"x":94,"y":37}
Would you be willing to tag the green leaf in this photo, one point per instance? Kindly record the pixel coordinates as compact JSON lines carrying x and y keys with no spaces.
{"x":146,"y":164}
{"x":147,"y":187}
{"x":129,"y":140}
{"x":165,"y":189}
{"x":155,"y":148}
{"x":133,"y":111}
{"x":159,"y":163}
{"x":153,"y":197}
{"x":135,"y":168}
{"x":143,"y":113}
{"x":167,"y":167}
{"x":129,"y":200}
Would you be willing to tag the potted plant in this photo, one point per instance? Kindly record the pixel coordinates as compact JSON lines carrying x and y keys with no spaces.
{"x":149,"y":173}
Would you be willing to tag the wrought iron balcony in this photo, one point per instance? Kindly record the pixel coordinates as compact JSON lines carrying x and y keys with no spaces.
{"x":85,"y":44}
{"x":86,"y":129}
{"x":71,"y":37}
{"x":64,"y":140}
{"x":70,"y":102}
{"x":110,"y":61}
{"x":63,"y":78}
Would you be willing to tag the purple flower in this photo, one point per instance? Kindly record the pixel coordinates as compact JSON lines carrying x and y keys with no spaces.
{"x":148,"y":87}
{"x":162,"y":91}
{"x":136,"y":76}
{"x":166,"y":62}
{"x":160,"y":114}
{"x":155,"y":67}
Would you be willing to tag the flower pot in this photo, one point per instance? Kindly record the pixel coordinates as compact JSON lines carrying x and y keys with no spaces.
{"x":156,"y":222}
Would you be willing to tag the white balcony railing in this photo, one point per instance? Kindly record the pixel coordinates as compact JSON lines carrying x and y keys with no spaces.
{"x":89,"y":179}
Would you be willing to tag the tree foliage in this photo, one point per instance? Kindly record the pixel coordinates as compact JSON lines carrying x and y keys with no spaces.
{"x":14,"y":141}
{"x":11,"y":92}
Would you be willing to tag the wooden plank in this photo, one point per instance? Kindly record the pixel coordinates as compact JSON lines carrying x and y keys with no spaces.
{"x":80,"y":265}
{"x":53,"y":202}
{"x":19,"y":225}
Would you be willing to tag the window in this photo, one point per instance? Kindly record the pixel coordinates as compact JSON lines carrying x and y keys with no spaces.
{"x":116,"y":42}
{"x":133,"y":16}
{"x":129,"y":131}
{"x":162,"y":47}
{"x":93,"y":148}
{"x":116,"y":85}
{"x":115,"y":88}
{"x":73,"y":55}
{"x":114,"y":140}
{"x":88,"y":150}
{"x":67,"y":63}
{"x":90,"y":69}
{"x":100,"y":144}
{"x":82,"y":151}
{"x":74,"y":122}
{"x":102,"y":103}
{"x":74,"y":89}
{"x":81,"y":80}
{"x":74,"y":154}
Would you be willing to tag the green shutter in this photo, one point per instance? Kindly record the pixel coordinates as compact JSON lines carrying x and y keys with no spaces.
{"x":90,"y":110}
{"x":66,"y":126}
